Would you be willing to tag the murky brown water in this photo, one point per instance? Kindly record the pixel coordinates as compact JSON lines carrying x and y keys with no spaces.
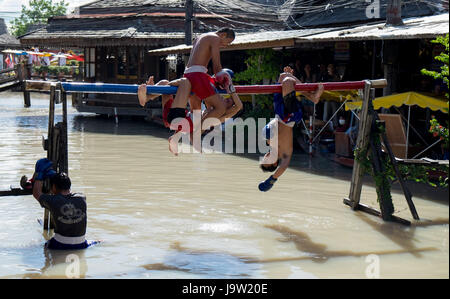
{"x":202,"y":216}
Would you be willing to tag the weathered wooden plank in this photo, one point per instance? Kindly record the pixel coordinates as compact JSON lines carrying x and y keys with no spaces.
{"x":374,"y":212}
{"x":405,"y":189}
{"x":423,"y":161}
{"x":51,"y":148}
{"x":34,"y":85}
{"x":361,"y":143}
{"x":16,"y":192}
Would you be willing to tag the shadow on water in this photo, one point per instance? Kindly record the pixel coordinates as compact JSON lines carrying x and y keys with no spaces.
{"x":210,"y":264}
{"x":319,"y":253}
{"x":317,"y":165}
{"x":399,"y":234}
{"x":223,"y":264}
{"x":215,"y":264}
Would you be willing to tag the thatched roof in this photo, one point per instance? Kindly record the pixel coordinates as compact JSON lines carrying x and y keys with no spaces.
{"x":235,"y":7}
{"x":153,"y":23}
{"x":160,"y":23}
{"x":7,"y":40}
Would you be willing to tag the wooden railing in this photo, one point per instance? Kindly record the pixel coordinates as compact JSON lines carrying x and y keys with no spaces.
{"x":6,"y":78}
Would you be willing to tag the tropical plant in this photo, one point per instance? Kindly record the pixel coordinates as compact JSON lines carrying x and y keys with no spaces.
{"x":437,"y":129}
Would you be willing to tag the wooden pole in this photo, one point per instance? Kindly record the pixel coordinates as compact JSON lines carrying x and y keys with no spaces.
{"x":189,"y":22}
{"x":51,"y":148}
{"x":384,"y":197}
{"x":365,"y":124}
{"x":22,"y":78}
{"x":394,"y":13}
{"x":64,"y":167}
{"x":405,"y":189}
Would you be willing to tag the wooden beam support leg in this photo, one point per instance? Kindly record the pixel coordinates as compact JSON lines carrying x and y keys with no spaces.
{"x":361,"y":143}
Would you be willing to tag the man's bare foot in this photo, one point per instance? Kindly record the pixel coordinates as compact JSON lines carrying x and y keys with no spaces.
{"x":173,"y":144}
{"x":142,"y":94}
{"x":318,"y":93}
{"x":315,"y":96}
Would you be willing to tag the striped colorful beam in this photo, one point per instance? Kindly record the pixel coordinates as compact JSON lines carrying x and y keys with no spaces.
{"x":250,"y":89}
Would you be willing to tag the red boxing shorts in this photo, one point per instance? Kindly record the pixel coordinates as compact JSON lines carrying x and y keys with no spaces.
{"x":166,"y":110}
{"x":201,"y":83}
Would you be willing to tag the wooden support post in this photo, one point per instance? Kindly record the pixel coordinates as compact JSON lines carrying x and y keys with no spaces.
{"x":22,"y":78}
{"x":51,"y":148}
{"x":374,"y":212}
{"x":405,"y":189}
{"x":384,"y":197}
{"x":64,"y":167}
{"x":361,"y":143}
{"x":57,"y":144}
{"x":26,"y":97}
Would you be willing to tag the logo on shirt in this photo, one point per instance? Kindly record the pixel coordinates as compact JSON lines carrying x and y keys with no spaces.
{"x":70,"y":214}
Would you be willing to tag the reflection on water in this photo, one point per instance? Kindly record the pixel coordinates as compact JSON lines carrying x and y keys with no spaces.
{"x":201,"y":216}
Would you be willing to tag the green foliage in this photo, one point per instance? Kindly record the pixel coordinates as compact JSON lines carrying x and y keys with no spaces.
{"x":262,"y":109}
{"x":74,"y":63}
{"x":436,"y":129}
{"x":55,"y":70}
{"x":433,"y":175}
{"x":38,"y":12}
{"x":439,"y":131}
{"x":261,"y":64}
{"x":41,"y":69}
{"x":443,"y":57}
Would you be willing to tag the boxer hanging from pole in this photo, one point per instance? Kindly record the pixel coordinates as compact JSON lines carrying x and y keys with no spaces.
{"x":287,"y":113}
{"x":232,"y":106}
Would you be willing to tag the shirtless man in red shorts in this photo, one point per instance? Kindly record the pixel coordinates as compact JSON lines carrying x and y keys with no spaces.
{"x":205,"y":48}
{"x":232,"y":106}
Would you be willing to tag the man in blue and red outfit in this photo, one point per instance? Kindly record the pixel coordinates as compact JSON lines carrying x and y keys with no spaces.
{"x":279,"y":132}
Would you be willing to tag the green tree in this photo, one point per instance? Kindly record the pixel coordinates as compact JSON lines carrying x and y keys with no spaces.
{"x":38,"y":12}
{"x":437,"y":129}
{"x":262,"y":64}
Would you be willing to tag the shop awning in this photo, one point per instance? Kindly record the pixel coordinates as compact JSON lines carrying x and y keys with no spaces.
{"x":407,"y":98}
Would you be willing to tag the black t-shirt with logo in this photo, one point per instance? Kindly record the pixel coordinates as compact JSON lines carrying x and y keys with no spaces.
{"x":68,"y":213}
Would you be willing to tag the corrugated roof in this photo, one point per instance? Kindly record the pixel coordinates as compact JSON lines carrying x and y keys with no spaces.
{"x":264,"y":39}
{"x":413,"y":28}
{"x":335,"y":12}
{"x":421,"y":27}
{"x":147,"y":29}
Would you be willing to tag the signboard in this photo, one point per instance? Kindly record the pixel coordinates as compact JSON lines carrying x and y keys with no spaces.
{"x":342,"y":51}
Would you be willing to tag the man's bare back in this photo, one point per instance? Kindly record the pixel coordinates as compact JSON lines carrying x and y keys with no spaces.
{"x":202,"y":49}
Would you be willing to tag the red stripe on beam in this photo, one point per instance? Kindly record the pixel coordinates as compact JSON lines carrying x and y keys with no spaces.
{"x":269,"y":89}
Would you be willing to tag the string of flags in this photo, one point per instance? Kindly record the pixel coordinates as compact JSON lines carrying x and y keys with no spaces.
{"x":11,"y":54}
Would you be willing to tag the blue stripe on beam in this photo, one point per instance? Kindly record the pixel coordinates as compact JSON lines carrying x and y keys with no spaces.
{"x":115,"y":88}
